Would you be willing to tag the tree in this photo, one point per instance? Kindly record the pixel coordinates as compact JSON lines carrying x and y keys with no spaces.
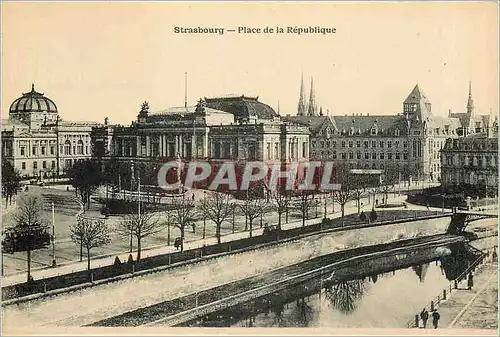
{"x":86,"y":176}
{"x":280,"y":200}
{"x":345,"y":295}
{"x":217,"y":207}
{"x":183,"y":215}
{"x":30,"y":231}
{"x":90,"y":233}
{"x":306,"y":201}
{"x":10,"y":181}
{"x":253,"y":207}
{"x":389,"y":179}
{"x":140,"y":225}
{"x":358,"y":189}
{"x":110,"y":175}
{"x":344,"y":194}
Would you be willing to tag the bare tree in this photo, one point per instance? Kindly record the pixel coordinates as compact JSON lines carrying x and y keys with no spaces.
{"x":253,"y":207}
{"x":90,"y":233}
{"x":184,"y":214}
{"x":306,"y":201}
{"x":280,"y":200}
{"x":217,"y":207}
{"x":345,"y":193}
{"x":140,"y":226}
{"x":358,"y":190}
{"x":30,"y":231}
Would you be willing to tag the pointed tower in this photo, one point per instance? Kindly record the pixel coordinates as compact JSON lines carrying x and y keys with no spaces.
{"x":312,"y":108}
{"x":470,"y":101}
{"x":301,"y":109}
{"x":417,"y":107}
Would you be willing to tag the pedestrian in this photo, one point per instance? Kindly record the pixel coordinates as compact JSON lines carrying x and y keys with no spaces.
{"x":427,"y":204}
{"x":192,"y":198}
{"x":494,"y":255}
{"x":435,"y":318}
{"x":424,"y":316}
{"x":194,"y":227}
{"x":470,"y":281}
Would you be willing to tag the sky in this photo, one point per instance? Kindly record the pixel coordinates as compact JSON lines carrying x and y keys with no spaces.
{"x":101,"y":59}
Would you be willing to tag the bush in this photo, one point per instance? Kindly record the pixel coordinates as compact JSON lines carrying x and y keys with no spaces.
{"x":117,"y":262}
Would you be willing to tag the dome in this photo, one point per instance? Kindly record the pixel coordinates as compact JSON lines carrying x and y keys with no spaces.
{"x":242,"y":107}
{"x":33,"y":102}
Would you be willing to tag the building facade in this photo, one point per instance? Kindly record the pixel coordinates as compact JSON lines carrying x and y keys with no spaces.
{"x":216,"y":129}
{"x":471,"y":163}
{"x":38,"y":142}
{"x":408,"y":143}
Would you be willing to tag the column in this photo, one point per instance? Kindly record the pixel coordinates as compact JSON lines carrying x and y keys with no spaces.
{"x":138,"y":144}
{"x":181,"y":145}
{"x":148,"y":146}
{"x":176,"y":145}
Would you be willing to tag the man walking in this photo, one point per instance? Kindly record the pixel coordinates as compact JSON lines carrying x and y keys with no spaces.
{"x":435,"y":318}
{"x":470,"y":281}
{"x":424,"y":316}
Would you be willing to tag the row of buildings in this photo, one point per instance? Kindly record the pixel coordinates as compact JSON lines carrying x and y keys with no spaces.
{"x":415,"y":144}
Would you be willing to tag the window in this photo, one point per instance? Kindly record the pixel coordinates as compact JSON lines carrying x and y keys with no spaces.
{"x":405,"y":156}
{"x":44,"y":164}
{"x":313,"y":143}
{"x":358,"y":155}
{"x":86,"y":149}
{"x":343,"y":144}
{"x":374,"y":131}
{"x":374,"y":155}
{"x":22,"y":151}
{"x":389,"y":144}
{"x":405,"y":144}
{"x":416,"y":132}
{"x":374,"y":144}
{"x":398,"y":156}
{"x":53,"y":164}
{"x":277,"y":150}
{"x":351,"y":144}
{"x":343,"y":156}
{"x":43,"y":150}
{"x":358,"y":143}
{"x":389,"y":156}
{"x":322,"y":144}
{"x":334,"y":143}
{"x":304,"y":150}
{"x":396,"y":132}
{"x":334,"y":155}
{"x":382,"y":155}
{"x":327,"y":143}
{"x":35,"y":165}
{"x":396,"y":144}
{"x":351,"y":155}
{"x":67,"y":148}
{"x":351,"y":131}
{"x":268,"y":150}
{"x":33,"y":150}
{"x":381,"y":144}
{"x":366,"y":144}
{"x":367,"y":155}
{"x":23,"y":165}
{"x":52,"y":150}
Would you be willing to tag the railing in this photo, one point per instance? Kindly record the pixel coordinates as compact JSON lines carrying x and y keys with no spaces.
{"x":414,"y":322}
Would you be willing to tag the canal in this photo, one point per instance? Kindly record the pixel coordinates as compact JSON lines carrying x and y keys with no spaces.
{"x":387,"y":298}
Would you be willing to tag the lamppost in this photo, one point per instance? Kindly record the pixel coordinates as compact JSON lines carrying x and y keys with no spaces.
{"x":409,"y":154}
{"x":54,"y":264}
{"x":234,"y":208}
{"x":204,"y":215}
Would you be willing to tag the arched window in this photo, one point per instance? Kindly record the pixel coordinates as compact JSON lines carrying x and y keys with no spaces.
{"x":67,"y":148}
{"x":79,"y":147}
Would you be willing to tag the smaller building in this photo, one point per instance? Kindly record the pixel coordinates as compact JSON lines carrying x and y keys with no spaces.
{"x":470,"y":164}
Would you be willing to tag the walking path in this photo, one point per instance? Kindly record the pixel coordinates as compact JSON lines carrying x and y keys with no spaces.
{"x":159,"y":250}
{"x":472,"y":309}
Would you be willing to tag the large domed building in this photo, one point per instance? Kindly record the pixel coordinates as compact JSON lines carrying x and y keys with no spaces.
{"x":38,"y":142}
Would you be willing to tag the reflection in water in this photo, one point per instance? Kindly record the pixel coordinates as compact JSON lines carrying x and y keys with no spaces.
{"x":388,"y":300}
{"x":344,"y":296}
{"x":421,"y":271}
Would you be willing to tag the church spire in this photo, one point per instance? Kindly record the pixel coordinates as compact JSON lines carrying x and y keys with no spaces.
{"x":301,"y":109}
{"x":312,"y":101}
{"x":470,"y":102}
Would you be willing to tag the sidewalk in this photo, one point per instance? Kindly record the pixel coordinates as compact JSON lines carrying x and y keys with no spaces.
{"x":472,"y":309}
{"x":164,"y":249}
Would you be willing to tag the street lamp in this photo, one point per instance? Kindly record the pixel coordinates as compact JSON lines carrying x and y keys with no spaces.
{"x":204,"y":214}
{"x":54,"y":264}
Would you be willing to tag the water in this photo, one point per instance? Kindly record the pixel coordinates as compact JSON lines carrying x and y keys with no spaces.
{"x":382,"y":300}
